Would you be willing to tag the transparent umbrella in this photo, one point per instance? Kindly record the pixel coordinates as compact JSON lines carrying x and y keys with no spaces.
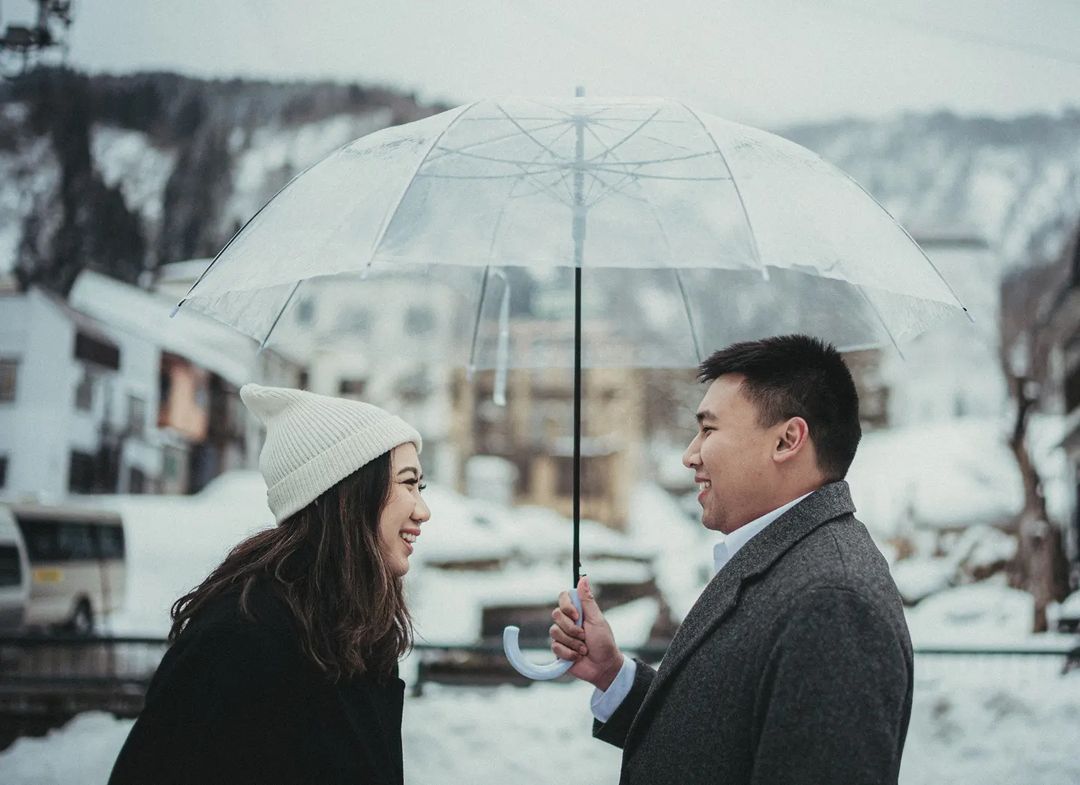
{"x":675,"y":230}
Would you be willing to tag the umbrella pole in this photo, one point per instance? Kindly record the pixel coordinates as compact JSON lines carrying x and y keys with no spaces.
{"x":579,"y":247}
{"x":577,"y":425}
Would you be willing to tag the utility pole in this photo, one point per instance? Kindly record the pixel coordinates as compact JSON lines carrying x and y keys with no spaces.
{"x":22,"y":46}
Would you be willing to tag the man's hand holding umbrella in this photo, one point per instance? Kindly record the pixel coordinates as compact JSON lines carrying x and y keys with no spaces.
{"x":591,"y":648}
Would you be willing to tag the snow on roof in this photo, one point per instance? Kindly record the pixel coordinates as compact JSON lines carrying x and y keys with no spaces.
{"x":952,"y":473}
{"x":202,"y":340}
{"x":986,"y":613}
{"x":465,"y":529}
{"x":187,"y":271}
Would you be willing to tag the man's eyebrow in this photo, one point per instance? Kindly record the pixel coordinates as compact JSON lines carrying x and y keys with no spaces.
{"x":704,"y":415}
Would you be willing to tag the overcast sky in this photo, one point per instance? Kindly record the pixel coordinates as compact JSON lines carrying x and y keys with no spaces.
{"x":767,"y":62}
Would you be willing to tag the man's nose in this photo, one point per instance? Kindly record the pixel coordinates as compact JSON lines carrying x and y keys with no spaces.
{"x":691,"y":457}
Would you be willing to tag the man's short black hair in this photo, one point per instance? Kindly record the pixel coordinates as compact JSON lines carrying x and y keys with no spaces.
{"x":798,"y":376}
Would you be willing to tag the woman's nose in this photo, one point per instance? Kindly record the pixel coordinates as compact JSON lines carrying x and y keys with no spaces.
{"x":421,"y":512}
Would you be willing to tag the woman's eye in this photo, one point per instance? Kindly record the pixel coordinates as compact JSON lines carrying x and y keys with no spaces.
{"x":423,"y":486}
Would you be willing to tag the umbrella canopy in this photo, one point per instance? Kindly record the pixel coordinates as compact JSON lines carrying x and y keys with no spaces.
{"x":729,"y":232}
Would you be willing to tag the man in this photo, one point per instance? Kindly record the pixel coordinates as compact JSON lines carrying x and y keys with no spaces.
{"x":794,"y":665}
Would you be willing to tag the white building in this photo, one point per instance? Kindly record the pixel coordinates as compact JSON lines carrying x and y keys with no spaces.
{"x":107,"y":393}
{"x":196,"y":367}
{"x":75,"y":409}
{"x":390,"y":341}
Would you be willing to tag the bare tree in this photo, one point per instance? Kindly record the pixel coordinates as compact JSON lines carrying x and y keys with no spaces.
{"x":1029,"y":300}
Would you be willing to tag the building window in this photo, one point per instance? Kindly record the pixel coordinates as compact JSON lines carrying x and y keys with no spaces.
{"x":81,"y":472}
{"x":136,"y":420}
{"x":305,"y":311}
{"x":84,"y":393}
{"x":354,"y":320}
{"x":136,"y":480}
{"x":9,"y":372}
{"x":595,"y":476}
{"x":352,"y":388}
{"x":3,"y":470}
{"x":419,"y":321}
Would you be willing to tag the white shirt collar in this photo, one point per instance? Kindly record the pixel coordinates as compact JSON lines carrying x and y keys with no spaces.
{"x":725,"y":550}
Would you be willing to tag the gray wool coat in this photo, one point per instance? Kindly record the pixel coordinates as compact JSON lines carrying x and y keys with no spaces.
{"x":794,"y":666}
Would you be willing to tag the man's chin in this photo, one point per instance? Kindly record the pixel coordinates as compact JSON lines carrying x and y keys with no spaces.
{"x":709,"y":523}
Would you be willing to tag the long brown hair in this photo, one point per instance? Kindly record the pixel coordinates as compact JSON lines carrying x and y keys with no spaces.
{"x":326,"y":565}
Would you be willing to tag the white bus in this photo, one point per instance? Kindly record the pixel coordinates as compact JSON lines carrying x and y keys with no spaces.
{"x":14,"y":575}
{"x":77,"y":565}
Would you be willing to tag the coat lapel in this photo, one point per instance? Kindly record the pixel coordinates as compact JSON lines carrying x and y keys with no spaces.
{"x":756,"y":557}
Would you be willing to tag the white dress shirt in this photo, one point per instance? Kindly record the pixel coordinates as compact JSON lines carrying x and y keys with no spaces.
{"x":604,"y":702}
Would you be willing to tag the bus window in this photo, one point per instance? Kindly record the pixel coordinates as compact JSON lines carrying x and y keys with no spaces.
{"x":41,"y":537}
{"x":76,"y":542}
{"x":10,"y":568}
{"x":110,"y":540}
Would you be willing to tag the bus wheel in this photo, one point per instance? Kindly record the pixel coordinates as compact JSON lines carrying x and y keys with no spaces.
{"x":82,"y":621}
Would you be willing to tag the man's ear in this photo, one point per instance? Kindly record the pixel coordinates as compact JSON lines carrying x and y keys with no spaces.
{"x":792,"y":439}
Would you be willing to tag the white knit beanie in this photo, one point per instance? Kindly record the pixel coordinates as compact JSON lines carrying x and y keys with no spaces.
{"x":315,"y":441}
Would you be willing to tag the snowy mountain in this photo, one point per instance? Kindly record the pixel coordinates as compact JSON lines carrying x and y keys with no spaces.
{"x":1012,"y":183}
{"x":123,"y":173}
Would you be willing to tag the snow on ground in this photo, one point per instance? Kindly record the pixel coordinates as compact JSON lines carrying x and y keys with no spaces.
{"x":969,"y":726}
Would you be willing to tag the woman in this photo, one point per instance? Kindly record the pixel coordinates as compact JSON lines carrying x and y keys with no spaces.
{"x":283,"y":664}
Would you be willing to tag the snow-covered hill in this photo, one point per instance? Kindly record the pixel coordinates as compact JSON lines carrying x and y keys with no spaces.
{"x":125,"y":173}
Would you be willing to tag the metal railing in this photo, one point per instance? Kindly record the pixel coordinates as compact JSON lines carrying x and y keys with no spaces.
{"x":111,"y":672}
{"x":47,"y":679}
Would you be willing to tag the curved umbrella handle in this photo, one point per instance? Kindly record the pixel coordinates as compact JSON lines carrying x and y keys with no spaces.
{"x":551,"y":670}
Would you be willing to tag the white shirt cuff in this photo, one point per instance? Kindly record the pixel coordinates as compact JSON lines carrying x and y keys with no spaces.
{"x":604,"y":702}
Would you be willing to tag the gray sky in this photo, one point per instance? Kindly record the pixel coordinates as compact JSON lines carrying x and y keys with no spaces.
{"x":767,"y":62}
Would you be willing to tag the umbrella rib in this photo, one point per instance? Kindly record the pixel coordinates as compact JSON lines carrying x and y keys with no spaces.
{"x":531,"y":176}
{"x":510,"y":196}
{"x":617,"y":187}
{"x":657,"y":139}
{"x":672,"y":178}
{"x":550,"y":190}
{"x":734,"y":184}
{"x":389,"y":217}
{"x":881,"y":319}
{"x":248,"y":223}
{"x":476,"y":323}
{"x":266,"y":338}
{"x":626,"y":138}
{"x":528,"y":135}
{"x":492,"y":159}
{"x":493,"y":140}
{"x":650,"y":161}
{"x":594,"y":179}
{"x":514,"y":176}
{"x":912,"y":239}
{"x":689,"y":315}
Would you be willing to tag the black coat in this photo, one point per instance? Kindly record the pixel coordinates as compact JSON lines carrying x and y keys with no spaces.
{"x":794,"y":667}
{"x":234,"y":701}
